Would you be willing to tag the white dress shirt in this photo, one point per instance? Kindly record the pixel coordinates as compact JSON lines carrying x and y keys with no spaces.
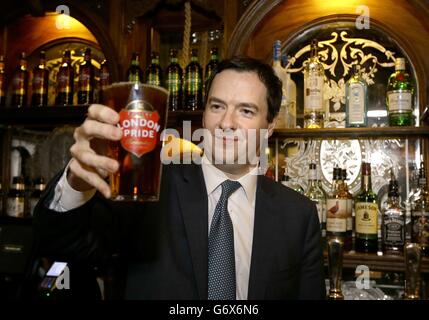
{"x":241,"y":208}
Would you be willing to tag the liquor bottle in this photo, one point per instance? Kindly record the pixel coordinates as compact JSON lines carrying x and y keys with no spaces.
{"x":20,"y":83}
{"x":15,"y":202}
{"x":336,"y":210}
{"x":289,"y":84}
{"x":40,"y":83}
{"x":313,"y":90}
{"x":318,"y":196}
{"x":212,"y":64}
{"x":420,"y":214}
{"x":366,"y":214}
{"x":85,"y":94}
{"x":349,"y":196}
{"x":356,"y":99}
{"x":104,"y":78}
{"x":2,"y":83}
{"x":193,"y":84}
{"x":173,"y":82}
{"x":154,"y":71}
{"x":134,"y":72}
{"x":65,"y":81}
{"x":393,"y":223}
{"x":280,"y":73}
{"x":400,"y":91}
{"x":39,"y":187}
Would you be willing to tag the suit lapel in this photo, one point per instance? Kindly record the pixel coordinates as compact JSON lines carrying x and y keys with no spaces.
{"x":263,"y":244}
{"x":194,"y":208}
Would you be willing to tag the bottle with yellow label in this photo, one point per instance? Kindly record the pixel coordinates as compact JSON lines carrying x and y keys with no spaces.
{"x":366,"y":214}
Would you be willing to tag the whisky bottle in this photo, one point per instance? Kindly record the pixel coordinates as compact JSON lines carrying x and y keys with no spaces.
{"x":39,"y":187}
{"x":40,"y":83}
{"x":420,"y":215}
{"x":20,"y":83}
{"x":289,"y":84}
{"x":2,"y":83}
{"x":134,"y":72}
{"x":193,"y":83}
{"x":173,"y":82}
{"x":85,"y":94}
{"x":15,"y":202}
{"x":65,"y":81}
{"x":336,"y":210}
{"x":346,"y":193}
{"x":366,"y":214}
{"x":313,"y":90}
{"x":154,"y":71}
{"x":318,"y":196}
{"x":356,"y":99}
{"x":104,"y":78}
{"x":400,"y":91}
{"x":393,"y":222}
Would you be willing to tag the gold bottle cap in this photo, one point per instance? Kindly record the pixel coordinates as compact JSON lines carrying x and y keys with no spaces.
{"x":400,"y":64}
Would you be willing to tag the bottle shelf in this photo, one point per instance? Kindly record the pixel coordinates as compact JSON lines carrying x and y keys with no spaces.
{"x":353,"y":133}
{"x":52,"y":116}
{"x":376,"y":262}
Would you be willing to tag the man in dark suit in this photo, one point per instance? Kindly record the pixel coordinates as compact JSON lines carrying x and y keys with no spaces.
{"x":219,"y":231}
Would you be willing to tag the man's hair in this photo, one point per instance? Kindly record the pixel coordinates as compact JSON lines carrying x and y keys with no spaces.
{"x":265,"y":73}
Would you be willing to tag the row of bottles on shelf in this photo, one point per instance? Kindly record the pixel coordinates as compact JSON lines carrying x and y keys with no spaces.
{"x":399,"y":100}
{"x":186,"y":88}
{"x":363,"y":224}
{"x":64,"y":82}
{"x":21,"y":198}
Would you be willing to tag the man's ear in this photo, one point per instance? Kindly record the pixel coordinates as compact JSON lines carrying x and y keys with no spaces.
{"x":272,"y":125}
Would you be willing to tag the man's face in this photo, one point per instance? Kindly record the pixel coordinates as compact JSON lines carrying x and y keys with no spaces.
{"x":235,"y":112}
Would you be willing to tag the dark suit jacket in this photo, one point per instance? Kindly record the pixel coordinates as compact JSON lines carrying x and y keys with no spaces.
{"x":165,"y":243}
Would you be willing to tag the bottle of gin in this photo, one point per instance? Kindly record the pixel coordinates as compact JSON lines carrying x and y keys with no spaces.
{"x":313,"y":90}
{"x":356,"y":100}
{"x":420,"y":214}
{"x":317,"y":195}
{"x":400,"y":91}
{"x":393,"y":221}
{"x":154,"y":71}
{"x":366,"y":214}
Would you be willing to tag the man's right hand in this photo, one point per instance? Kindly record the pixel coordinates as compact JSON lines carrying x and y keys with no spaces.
{"x":90,"y":165}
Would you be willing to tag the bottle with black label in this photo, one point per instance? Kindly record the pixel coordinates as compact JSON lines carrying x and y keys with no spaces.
{"x":15,"y":200}
{"x":134,"y":72}
{"x":154,"y":71}
{"x":39,"y":187}
{"x":393,"y":223}
{"x":193,"y":84}
{"x":173,"y":82}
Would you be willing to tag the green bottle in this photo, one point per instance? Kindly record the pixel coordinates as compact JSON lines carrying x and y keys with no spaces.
{"x":154,"y":71}
{"x":173,"y":82}
{"x":366,"y":214}
{"x":134,"y":72}
{"x":193,"y":84}
{"x":400,"y":91}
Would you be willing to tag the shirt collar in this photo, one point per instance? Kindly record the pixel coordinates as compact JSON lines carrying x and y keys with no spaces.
{"x":214,"y":177}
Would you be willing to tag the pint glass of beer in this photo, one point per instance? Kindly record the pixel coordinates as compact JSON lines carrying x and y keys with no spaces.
{"x":142,"y":110}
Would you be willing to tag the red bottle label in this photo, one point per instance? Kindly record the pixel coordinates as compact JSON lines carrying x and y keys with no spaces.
{"x":140,"y":130}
